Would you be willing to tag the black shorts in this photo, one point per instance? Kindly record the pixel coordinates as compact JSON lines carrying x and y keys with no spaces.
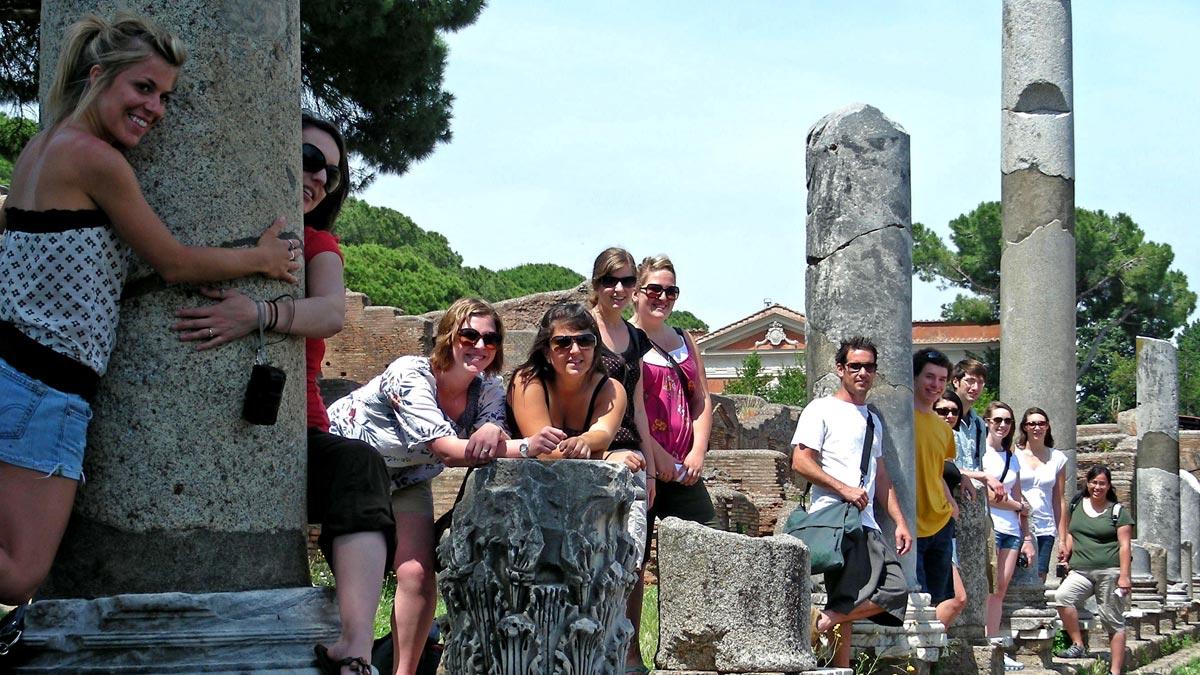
{"x":872,"y":572}
{"x":348,"y":490}
{"x":689,"y":502}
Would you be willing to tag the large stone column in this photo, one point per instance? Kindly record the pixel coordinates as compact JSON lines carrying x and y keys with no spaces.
{"x":1158,"y":512}
{"x":538,"y":567}
{"x":181,"y":494}
{"x":859,"y":278}
{"x":1037,"y":264}
{"x":1189,"y":514}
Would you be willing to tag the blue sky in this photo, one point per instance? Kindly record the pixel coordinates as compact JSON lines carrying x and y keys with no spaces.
{"x":679,"y":128}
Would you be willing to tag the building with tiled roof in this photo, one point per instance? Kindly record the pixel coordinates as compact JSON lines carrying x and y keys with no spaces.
{"x":777,"y":335}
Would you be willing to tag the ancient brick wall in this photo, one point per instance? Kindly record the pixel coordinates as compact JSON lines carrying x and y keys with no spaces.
{"x":372,"y":338}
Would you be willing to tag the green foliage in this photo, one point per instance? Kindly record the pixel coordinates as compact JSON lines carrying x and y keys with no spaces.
{"x":686,"y":320}
{"x":15,"y":132}
{"x":374,"y":66}
{"x":1188,"y":343}
{"x":361,"y":223}
{"x":401,"y":278}
{"x":790,"y":387}
{"x":1124,"y":287}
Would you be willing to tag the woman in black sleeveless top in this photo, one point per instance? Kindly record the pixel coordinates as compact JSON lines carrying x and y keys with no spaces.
{"x":563,"y":387}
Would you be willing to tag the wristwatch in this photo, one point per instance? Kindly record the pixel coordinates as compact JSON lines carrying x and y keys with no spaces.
{"x":523,"y":448}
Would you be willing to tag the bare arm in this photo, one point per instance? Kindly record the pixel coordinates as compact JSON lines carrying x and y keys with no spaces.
{"x":109,"y":181}
{"x":321,"y":314}
{"x":884,"y":486}
{"x":1125,"y":556}
{"x":606,"y":419}
{"x":528,"y":402}
{"x":806,"y":462}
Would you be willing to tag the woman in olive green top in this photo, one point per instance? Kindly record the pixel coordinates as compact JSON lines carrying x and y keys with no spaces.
{"x":1098,"y":549}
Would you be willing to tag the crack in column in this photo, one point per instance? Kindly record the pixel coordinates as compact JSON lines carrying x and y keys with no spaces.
{"x":817,"y":260}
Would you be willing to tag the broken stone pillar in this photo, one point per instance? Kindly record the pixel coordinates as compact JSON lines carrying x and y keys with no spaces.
{"x":181,"y":494}
{"x":537,"y":569}
{"x":859,"y":278}
{"x":730,"y":603}
{"x":974,"y":539}
{"x":1186,"y":569}
{"x":1158,"y":511}
{"x":1037,"y":186}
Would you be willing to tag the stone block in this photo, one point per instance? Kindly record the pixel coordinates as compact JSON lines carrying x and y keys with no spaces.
{"x":247,"y":632}
{"x":732,"y":603}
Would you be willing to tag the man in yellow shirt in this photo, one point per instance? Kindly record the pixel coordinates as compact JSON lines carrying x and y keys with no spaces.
{"x":936,"y":509}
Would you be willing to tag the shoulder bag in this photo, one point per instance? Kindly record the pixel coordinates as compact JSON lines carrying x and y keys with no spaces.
{"x":824,"y":531}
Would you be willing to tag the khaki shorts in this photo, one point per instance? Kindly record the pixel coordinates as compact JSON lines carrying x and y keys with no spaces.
{"x":415,"y":498}
{"x":1083,"y":584}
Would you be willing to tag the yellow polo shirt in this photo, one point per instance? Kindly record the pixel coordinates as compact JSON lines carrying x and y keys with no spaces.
{"x":935,"y":445}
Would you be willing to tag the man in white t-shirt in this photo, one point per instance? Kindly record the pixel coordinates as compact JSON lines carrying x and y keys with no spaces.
{"x":827,"y":451}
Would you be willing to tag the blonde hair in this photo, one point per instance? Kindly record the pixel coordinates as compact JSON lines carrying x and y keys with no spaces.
{"x":114,"y":46}
{"x":609,"y":260}
{"x":654,"y":263}
{"x":447,"y":332}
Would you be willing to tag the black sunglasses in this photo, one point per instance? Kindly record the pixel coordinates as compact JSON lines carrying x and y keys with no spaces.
{"x":470,"y":336}
{"x":655,"y":290}
{"x":946,"y":410}
{"x":584,"y":340}
{"x":314,"y":161}
{"x":609,"y":281}
{"x":869,"y":367}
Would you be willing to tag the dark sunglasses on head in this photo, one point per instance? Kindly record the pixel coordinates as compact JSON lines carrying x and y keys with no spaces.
{"x":584,"y":340}
{"x":1001,"y":420}
{"x":314,"y":161}
{"x":609,"y":281}
{"x":946,"y":410}
{"x":869,"y":367}
{"x":471,"y":337}
{"x":655,"y":290}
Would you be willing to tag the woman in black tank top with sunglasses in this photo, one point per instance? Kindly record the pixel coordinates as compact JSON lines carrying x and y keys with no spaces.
{"x":563,"y":387}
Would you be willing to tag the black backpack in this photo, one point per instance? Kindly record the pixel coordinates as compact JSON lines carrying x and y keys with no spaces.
{"x":1116,"y":509}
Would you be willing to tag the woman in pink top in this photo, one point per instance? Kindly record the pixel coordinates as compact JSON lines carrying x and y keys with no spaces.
{"x":675,"y":391}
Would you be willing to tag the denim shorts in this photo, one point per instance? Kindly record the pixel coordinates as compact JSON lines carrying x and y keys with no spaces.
{"x":1045,"y":543}
{"x":41,"y":428}
{"x":1009,"y":541}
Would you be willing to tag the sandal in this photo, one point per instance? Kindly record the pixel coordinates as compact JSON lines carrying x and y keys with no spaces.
{"x":330,"y":667}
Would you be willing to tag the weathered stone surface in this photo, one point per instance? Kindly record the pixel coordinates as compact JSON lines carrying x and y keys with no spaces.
{"x":859,"y":278}
{"x":1037,"y":90}
{"x":735,"y":512}
{"x":525,"y":312}
{"x":763,"y":476}
{"x":1157,"y":510}
{"x":731,"y":603}
{"x":170,"y":465}
{"x":974,"y":539}
{"x":1037,"y":265}
{"x":1189,"y":514}
{"x":538,"y":566}
{"x":250,"y":632}
{"x":726,"y":430}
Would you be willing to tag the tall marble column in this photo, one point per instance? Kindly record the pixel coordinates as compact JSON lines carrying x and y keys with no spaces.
{"x":859,"y":278}
{"x":1189,"y":514}
{"x":1037,"y":186}
{"x":181,"y":494}
{"x":1158,"y":512}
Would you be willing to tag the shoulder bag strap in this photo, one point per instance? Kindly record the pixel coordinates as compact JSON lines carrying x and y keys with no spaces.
{"x":683,"y":379}
{"x":868,"y":441}
{"x":1007,"y":461}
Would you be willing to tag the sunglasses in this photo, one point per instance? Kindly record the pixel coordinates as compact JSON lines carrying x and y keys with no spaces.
{"x":946,"y":411}
{"x":471,"y":337}
{"x":869,"y":367}
{"x":1037,"y":424}
{"x":314,"y":160}
{"x":609,"y":281}
{"x":1001,"y":420}
{"x":656,"y":290}
{"x":564,"y":342}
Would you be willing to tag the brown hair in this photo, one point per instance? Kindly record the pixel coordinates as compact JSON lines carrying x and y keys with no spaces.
{"x":114,"y":46}
{"x":609,"y":260}
{"x":459,"y":313}
{"x":968,"y":367}
{"x":1022,"y":440}
{"x":654,"y":263}
{"x":987,"y":415}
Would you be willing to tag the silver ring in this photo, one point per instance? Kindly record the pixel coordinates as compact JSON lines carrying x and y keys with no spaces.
{"x":210,"y":333}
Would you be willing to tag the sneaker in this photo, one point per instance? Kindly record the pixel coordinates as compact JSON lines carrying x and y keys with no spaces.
{"x":1073,"y":652}
{"x":1011,"y":664}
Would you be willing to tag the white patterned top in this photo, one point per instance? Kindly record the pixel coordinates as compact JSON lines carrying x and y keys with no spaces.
{"x":61,"y":275}
{"x":397,"y":413}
